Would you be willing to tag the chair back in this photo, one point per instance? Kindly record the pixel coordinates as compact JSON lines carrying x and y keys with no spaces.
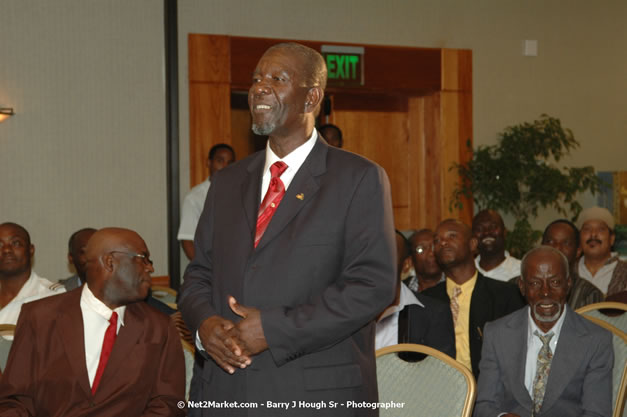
{"x":437,"y":386}
{"x":5,"y":343}
{"x":166,"y":295}
{"x":619,"y":373}
{"x":188,"y":352}
{"x":598,"y":310}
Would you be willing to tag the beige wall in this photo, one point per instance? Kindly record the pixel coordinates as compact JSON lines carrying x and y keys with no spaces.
{"x":578,"y":75}
{"x":86,"y":80}
{"x":87,"y":145}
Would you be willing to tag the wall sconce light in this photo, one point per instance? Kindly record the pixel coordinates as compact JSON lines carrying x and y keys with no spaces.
{"x":5,"y":114}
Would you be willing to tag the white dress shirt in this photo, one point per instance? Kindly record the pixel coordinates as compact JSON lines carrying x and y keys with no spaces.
{"x":96,"y":317}
{"x":508,"y":269}
{"x":387,"y":325}
{"x":33,"y":289}
{"x":192,"y":208}
{"x":534,"y":344}
{"x":293,"y":160}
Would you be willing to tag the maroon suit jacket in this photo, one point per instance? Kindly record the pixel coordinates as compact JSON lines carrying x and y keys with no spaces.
{"x":46,"y":374}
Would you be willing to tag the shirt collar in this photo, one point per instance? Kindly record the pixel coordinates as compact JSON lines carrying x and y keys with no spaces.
{"x":89,"y":300}
{"x":406,"y":298}
{"x":466,"y":287}
{"x":557,"y":327}
{"x":295,"y":158}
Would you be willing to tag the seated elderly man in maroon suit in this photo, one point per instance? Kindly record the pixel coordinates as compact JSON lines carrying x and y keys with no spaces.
{"x":96,"y":350}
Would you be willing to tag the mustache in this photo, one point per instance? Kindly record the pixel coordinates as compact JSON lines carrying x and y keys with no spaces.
{"x":593,"y":240}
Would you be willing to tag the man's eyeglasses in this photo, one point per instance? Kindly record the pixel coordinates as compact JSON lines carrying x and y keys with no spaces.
{"x":144,"y":258}
{"x":420,"y":249}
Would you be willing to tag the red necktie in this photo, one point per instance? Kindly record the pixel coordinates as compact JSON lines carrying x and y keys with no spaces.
{"x":271,"y":201}
{"x":107,"y":347}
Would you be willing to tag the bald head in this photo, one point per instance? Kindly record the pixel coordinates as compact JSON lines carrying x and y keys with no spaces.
{"x":118,"y":266}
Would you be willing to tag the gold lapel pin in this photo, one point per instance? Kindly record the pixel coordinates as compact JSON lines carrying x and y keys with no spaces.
{"x":300,"y":196}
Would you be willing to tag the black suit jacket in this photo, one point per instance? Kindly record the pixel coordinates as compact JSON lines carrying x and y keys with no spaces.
{"x":322,"y":272}
{"x":431,"y":325}
{"x":491,"y":299}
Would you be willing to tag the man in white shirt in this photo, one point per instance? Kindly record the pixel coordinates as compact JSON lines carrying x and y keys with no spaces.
{"x":98,"y":350}
{"x":493,"y":260}
{"x":599,"y":264}
{"x":545,"y":360}
{"x":220,"y":156}
{"x":18,"y":282}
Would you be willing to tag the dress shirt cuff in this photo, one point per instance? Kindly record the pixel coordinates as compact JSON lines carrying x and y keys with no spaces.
{"x":199,"y":345}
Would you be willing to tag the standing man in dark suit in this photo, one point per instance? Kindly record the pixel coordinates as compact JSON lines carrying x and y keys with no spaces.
{"x":97,"y":350}
{"x":545,"y":360}
{"x":474,"y":299}
{"x":310,"y":268}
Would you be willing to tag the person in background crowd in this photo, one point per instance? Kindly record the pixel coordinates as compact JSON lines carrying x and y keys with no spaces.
{"x":493,"y":260}
{"x":220,"y":156}
{"x":564,"y":236}
{"x":332,"y":134}
{"x":473,"y":298}
{"x":18,"y":282}
{"x":97,"y":350}
{"x":428,"y":272}
{"x":415,"y":318}
{"x":76,"y":258}
{"x":545,"y":360}
{"x":599,"y":264}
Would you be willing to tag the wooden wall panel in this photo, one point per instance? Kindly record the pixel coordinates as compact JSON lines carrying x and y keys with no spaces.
{"x":242,"y":138}
{"x":209,"y":58}
{"x":425,"y":167}
{"x":210,"y":123}
{"x":455,"y":133}
{"x":383,"y":138}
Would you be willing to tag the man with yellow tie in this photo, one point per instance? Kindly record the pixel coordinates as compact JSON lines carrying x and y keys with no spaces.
{"x":474,"y":299}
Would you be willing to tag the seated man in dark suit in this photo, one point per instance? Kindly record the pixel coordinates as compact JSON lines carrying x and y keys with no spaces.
{"x":96,"y":350}
{"x":545,"y":360}
{"x":474,"y":299}
{"x":415,"y":318}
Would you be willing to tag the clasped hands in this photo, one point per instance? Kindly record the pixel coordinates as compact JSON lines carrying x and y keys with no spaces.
{"x":230,"y":344}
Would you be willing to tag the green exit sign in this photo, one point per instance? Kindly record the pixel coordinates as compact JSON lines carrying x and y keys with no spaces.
{"x":345,"y":65}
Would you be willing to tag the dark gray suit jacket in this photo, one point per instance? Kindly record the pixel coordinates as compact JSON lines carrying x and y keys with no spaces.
{"x":580,"y":380}
{"x":320,"y":275}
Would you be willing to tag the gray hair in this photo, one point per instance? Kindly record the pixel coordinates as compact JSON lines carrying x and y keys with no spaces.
{"x":315,"y":67}
{"x":543,"y":248}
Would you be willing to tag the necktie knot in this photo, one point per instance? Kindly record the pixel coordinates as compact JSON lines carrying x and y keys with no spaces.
{"x":546,"y":339}
{"x":277,"y":169}
{"x":457,"y":292}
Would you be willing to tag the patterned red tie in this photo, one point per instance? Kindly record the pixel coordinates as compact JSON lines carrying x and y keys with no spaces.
{"x":271,"y":201}
{"x":107,"y":347}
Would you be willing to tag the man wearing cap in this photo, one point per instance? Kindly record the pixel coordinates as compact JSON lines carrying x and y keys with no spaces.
{"x":599,"y":264}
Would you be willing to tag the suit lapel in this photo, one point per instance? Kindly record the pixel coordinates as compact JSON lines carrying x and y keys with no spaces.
{"x":251,"y":189}
{"x":70,"y":325}
{"x":566,"y":360}
{"x":305,"y":185}
{"x":124,"y":345}
{"x":515,"y":346}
